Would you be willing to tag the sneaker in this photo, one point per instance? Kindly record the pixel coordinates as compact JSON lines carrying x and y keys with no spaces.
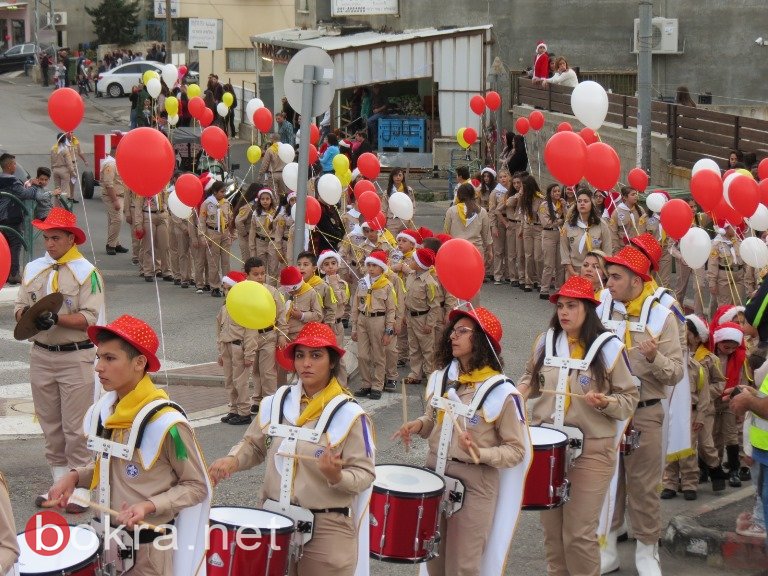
{"x":135,"y":261}
{"x":254,"y":409}
{"x":206,"y":288}
{"x":237,"y":420}
{"x":363,"y":393}
{"x":733,"y":479}
{"x":216,"y":293}
{"x":390,"y":386}
{"x":690,"y":494}
{"x":148,"y":278}
{"x":177,"y":282}
{"x":200,"y":290}
{"x":514,"y":283}
{"x":227,"y":417}
{"x":374,"y":394}
{"x":752,"y":530}
{"x":668,"y":494}
{"x":527,"y":289}
{"x":497,"y":282}
{"x":745,"y":474}
{"x":185,"y":284}
{"x":121,"y":249}
{"x":111,"y":251}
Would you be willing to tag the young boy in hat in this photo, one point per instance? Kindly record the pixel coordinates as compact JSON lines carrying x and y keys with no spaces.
{"x":304,"y":306}
{"x":307,"y":265}
{"x":373,"y":321}
{"x":214,"y":224}
{"x":329,"y":263}
{"x":161,"y":480}
{"x":423,"y":313}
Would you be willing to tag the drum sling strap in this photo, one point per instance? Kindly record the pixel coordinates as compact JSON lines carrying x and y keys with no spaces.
{"x":618,"y":326}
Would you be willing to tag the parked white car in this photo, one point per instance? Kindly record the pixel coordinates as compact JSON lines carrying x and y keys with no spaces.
{"x":119,"y":81}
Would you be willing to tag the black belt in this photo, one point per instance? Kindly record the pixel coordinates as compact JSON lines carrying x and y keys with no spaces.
{"x":373,"y":314}
{"x":346,"y":511}
{"x":537,"y":223}
{"x":730,"y":267}
{"x":265,"y":330}
{"x":260,"y":237}
{"x":550,"y":229}
{"x":153,"y":211}
{"x":646,"y":403}
{"x":237,"y":342}
{"x":419,"y":312}
{"x":147,"y":535}
{"x":84,"y":345}
{"x":513,"y":220}
{"x":212,"y":228}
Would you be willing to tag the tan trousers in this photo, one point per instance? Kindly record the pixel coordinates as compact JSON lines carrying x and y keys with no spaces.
{"x":217,"y":257}
{"x":640,"y":477}
{"x":664,"y":275}
{"x":152,"y":561}
{"x":707,"y":451}
{"x":683,"y":473}
{"x":515,"y":251}
{"x":550,"y":257}
{"x":532,"y":247}
{"x":338,"y":329}
{"x":500,"y":254}
{"x":159,"y":234}
{"x":724,"y":430}
{"x":184,"y":250}
{"x":684,"y":273}
{"x":422,"y":347}
{"x":465,"y":534}
{"x":391,"y":356}
{"x":242,"y":242}
{"x":236,"y":379}
{"x":173,"y":251}
{"x":332,"y":550}
{"x":570,"y":531}
{"x":114,"y":220}
{"x":370,"y":356}
{"x":265,"y":367}
{"x":62,"y":391}
{"x":726,"y":293}
{"x":267,"y":251}
{"x":200,"y":262}
{"x":63,"y":179}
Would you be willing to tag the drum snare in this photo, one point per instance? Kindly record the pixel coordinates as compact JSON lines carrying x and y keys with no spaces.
{"x":80,"y":556}
{"x":546,"y":485}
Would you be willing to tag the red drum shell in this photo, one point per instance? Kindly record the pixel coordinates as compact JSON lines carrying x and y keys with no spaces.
{"x":547,"y":474}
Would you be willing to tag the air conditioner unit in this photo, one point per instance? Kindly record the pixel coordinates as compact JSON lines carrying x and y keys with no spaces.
{"x":58,"y":19}
{"x":664,"y":39}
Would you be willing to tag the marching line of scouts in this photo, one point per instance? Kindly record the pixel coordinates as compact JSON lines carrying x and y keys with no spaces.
{"x":614,"y":352}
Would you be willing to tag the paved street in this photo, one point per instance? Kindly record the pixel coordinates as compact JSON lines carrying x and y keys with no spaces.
{"x":187,"y":326}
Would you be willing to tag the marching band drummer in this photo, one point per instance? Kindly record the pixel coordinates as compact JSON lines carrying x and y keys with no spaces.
{"x":607,"y":399}
{"x":490,"y":457}
{"x":332,"y":474}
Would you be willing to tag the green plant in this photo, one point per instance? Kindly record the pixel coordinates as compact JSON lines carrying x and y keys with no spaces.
{"x":116,"y":21}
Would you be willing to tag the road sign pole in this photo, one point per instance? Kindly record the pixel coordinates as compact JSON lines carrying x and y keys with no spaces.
{"x":308,"y":90}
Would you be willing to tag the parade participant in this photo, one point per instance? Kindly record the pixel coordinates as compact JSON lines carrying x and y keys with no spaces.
{"x":351,"y":254}
{"x":467,"y":220}
{"x":499,"y":226}
{"x":271,"y":169}
{"x":490,"y":457}
{"x":579,"y":356}
{"x":401,"y":263}
{"x":650,"y":333}
{"x":265,"y":365}
{"x":593,"y":269}
{"x":331,"y":492}
{"x":487,"y":185}
{"x":150,"y":223}
{"x":304,"y":305}
{"x":185,"y":235}
{"x":725,"y":268}
{"x":307,"y":264}
{"x":653,"y":227}
{"x":551,"y":215}
{"x":530,"y":201}
{"x":374,"y":241}
{"x":63,"y":166}
{"x":401,"y":259}
{"x":61,"y":359}
{"x":329,"y":263}
{"x":9,"y":546}
{"x":244,"y":210}
{"x":164,"y":479}
{"x":288,"y":228}
{"x":214,"y":221}
{"x":351,"y":217}
{"x":396,"y":183}
{"x":509,"y":210}
{"x":627,"y":220}
{"x":423,"y":313}
{"x":584,"y":231}
{"x":113,"y":192}
{"x":266,"y":233}
{"x":373,"y":320}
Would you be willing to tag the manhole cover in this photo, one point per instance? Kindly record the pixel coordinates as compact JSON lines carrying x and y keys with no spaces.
{"x":24,"y":407}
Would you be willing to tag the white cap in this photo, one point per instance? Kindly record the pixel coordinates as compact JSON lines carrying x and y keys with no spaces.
{"x":726,"y":333}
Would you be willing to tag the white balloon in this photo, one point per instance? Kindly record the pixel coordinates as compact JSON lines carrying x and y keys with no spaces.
{"x":170,"y":75}
{"x":727,"y":184}
{"x":401,"y":205}
{"x":695,"y":247}
{"x":154,"y":87}
{"x":253,"y":105}
{"x":589,"y":102}
{"x":759,"y":220}
{"x":286,"y":152}
{"x":173,"y":120}
{"x":329,"y":188}
{"x":705,"y":164}
{"x":754,"y":252}
{"x":222,"y":109}
{"x":291,"y":175}
{"x":655,"y":202}
{"x":177,"y":207}
{"x":293,"y":212}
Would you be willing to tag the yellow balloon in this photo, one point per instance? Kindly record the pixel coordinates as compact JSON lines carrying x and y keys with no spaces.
{"x":251,"y":305}
{"x":745,"y":172}
{"x":460,"y":138}
{"x":345,"y":178}
{"x":228,"y":99}
{"x":253,"y":153}
{"x":172,"y":105}
{"x":340,"y":164}
{"x":148,"y":75}
{"x":193,"y":90}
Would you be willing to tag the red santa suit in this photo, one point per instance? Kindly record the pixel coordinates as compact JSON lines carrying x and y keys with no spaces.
{"x":541,"y":63}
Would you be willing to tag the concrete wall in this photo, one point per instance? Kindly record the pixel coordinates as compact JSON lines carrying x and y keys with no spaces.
{"x":79,"y":28}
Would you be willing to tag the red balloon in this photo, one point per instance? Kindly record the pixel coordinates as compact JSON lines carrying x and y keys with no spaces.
{"x":728,"y":173}
{"x":313,"y":153}
{"x":762,"y":169}
{"x":522,"y":125}
{"x":724,"y":213}
{"x":744,"y":195}
{"x":196,"y":106}
{"x":189,"y":189}
{"x":707,"y":189}
{"x":314,"y":134}
{"x":477,"y":104}
{"x":536,"y":118}
{"x":638,"y":179}
{"x":470,"y":136}
{"x":603,"y":166}
{"x":493,"y":100}
{"x":206,"y":117}
{"x":145,"y":161}
{"x":564,"y":127}
{"x":589,"y":136}
{"x":460,"y":268}
{"x":183,"y":70}
{"x":362,"y":186}
{"x":369,"y":165}
{"x":763,"y":189}
{"x":676,"y":218}
{"x":369,"y":204}
{"x":565,"y":155}
{"x":378,"y":222}
{"x":262,"y":119}
{"x":313,"y":210}
{"x":66,"y":109}
{"x":5,"y":259}
{"x":215,"y":142}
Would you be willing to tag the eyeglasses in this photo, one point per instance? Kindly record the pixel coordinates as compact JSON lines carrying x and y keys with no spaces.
{"x":459,"y":331}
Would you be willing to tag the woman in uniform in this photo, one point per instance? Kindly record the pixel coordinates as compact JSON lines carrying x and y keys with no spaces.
{"x":583,"y":232}
{"x":499,"y":225}
{"x":593,"y":269}
{"x":509,"y":210}
{"x":531,"y":200}
{"x":601,"y":400}
{"x":330,"y":477}
{"x":627,"y":220}
{"x":551,"y":216}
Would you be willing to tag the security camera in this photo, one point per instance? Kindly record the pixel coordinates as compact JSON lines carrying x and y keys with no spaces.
{"x":759,"y":41}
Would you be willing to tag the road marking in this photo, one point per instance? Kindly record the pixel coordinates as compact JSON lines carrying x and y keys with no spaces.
{"x":12,"y":365}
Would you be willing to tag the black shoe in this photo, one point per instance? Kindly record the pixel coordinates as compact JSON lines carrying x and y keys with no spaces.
{"x":514,"y":283}
{"x":718,"y":476}
{"x":111,"y":251}
{"x":200,"y":290}
{"x":390,"y":385}
{"x":536,"y":285}
{"x":733,"y":479}
{"x":668,"y":494}
{"x":690,"y":494}
{"x":543,"y":296}
{"x":527,"y":289}
{"x":239,"y":420}
{"x":148,"y":278}
{"x":402,"y":363}
{"x":254,"y":409}
{"x":363,"y":393}
{"x":374,"y":394}
{"x":168,"y":278}
{"x":226,"y":418}
{"x":745,"y":474}
{"x":177,"y":282}
{"x":185,"y":284}
{"x":134,"y":261}
{"x":206,"y":288}
{"x":159,"y":274}
{"x":121,"y":249}
{"x":216,"y":293}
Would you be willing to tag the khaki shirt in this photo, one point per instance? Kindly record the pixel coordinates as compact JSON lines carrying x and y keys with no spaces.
{"x":700,"y":399}
{"x":423,"y":293}
{"x":243,"y":219}
{"x":214,"y":215}
{"x":63,"y":158}
{"x":652,"y":226}
{"x":510,"y":208}
{"x":326,"y":298}
{"x":495,"y":202}
{"x":310,"y":304}
{"x":715,"y":378}
{"x":281,"y":322}
{"x":9,"y":547}
{"x":341,"y":291}
{"x":725,"y":255}
{"x":535,"y":205}
{"x":400,"y":292}
{"x":546,"y":221}
{"x":109,"y":178}
{"x":625,"y":224}
{"x":478,"y":231}
{"x":228,"y":331}
{"x":156,"y":205}
{"x":570,"y":238}
{"x":382,"y":300}
{"x":352,"y":254}
{"x":271,"y":162}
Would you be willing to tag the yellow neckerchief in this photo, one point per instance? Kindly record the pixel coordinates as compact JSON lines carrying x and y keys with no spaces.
{"x":72,"y":254}
{"x":701,"y":353}
{"x":470,"y":380}
{"x":222,"y":218}
{"x":576,"y":350}
{"x":318,"y":403}
{"x":400,"y":187}
{"x":587,"y":237}
{"x":274,"y":147}
{"x":539,"y":195}
{"x":557,"y":206}
{"x":700,"y":383}
{"x":315,"y":280}
{"x":377,"y":284}
{"x":635,"y":308}
{"x":461,"y":210}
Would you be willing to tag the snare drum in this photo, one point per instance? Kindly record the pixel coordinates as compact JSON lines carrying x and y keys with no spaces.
{"x":546,"y":485}
{"x":630,"y":441}
{"x":80,"y":556}
{"x":241,"y":539}
{"x":404,"y":513}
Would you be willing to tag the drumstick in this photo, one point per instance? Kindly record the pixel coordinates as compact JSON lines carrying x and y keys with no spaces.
{"x":558,"y":393}
{"x":472,"y":451}
{"x":405,"y":411}
{"x":107,"y":510}
{"x":659,"y":342}
{"x":298,"y":456}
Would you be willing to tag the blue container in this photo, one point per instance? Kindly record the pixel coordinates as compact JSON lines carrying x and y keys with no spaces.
{"x":403,"y":133}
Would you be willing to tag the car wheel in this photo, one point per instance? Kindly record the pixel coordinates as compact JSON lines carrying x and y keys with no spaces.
{"x":87,"y":182}
{"x":115,"y":90}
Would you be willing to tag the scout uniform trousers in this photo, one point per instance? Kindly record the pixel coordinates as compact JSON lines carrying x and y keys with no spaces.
{"x":500,"y":254}
{"x":323,"y":555}
{"x":726,"y":292}
{"x":370,"y":355}
{"x":159,"y":234}
{"x":664,"y":275}
{"x":114,"y":220}
{"x":236,"y":378}
{"x":683,"y":473}
{"x":264,"y":367}
{"x":173,"y":250}
{"x":684,"y":273}
{"x":706,"y":444}
{"x":200,"y":262}
{"x":217,"y":256}
{"x":184,"y":250}
{"x":532,"y":247}
{"x":552,"y":272}
{"x":515,"y":251}
{"x":422,"y":346}
{"x":724,"y":430}
{"x":62,"y":178}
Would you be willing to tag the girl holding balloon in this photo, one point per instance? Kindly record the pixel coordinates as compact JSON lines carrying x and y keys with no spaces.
{"x":396,"y":183}
{"x":583,"y":232}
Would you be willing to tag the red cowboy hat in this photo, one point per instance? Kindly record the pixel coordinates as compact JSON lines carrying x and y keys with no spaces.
{"x":313,"y":335}
{"x":137,"y":333}
{"x":576,"y":287}
{"x":650,"y":248}
{"x":488,"y":323}
{"x":61,"y":219}
{"x":633,"y":259}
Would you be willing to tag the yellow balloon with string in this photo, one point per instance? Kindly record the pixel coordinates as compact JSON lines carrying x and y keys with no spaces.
{"x":345,"y":178}
{"x":460,"y":138}
{"x":228,"y":99}
{"x":251,"y":305}
{"x":193,"y":90}
{"x":340,"y":164}
{"x":172,"y":105}
{"x":253,"y":153}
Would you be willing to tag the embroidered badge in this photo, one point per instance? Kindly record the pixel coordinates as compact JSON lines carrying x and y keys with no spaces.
{"x":473,"y":421}
{"x":584,"y":381}
{"x":268,"y":442}
{"x":372,"y":520}
{"x":216,"y":561}
{"x":541,"y":378}
{"x":319,"y":452}
{"x":131,"y":470}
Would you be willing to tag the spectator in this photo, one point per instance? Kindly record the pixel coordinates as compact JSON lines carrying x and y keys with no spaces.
{"x":514,"y":155}
{"x":541,"y":63}
{"x":285,"y":129}
{"x":216,"y":89}
{"x":736,"y":160}
{"x":326,"y":160}
{"x":564,"y":75}
{"x":162,"y":54}
{"x":288,"y":111}
{"x":133,"y":98}
{"x":45,"y":199}
{"x":362,"y":146}
{"x":325,"y":124}
{"x":229,"y":121}
{"x":379,"y":103}
{"x":45,"y":62}
{"x":683,"y":97}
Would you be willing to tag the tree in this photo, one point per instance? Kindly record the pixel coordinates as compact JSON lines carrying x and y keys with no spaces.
{"x":116,"y":21}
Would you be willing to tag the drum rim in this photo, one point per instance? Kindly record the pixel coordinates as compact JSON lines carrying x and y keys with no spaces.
{"x":563,"y":442}
{"x":411,"y":495}
{"x":79,"y":566}
{"x":396,"y":560}
{"x":248,"y":530}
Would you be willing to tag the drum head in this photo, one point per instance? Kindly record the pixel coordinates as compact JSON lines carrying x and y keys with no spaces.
{"x":234,"y":517}
{"x":407,"y":481}
{"x":80,"y":550}
{"x":541,"y":436}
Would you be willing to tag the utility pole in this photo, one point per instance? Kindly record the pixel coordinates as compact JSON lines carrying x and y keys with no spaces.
{"x":644,"y":70}
{"x":168,"y":34}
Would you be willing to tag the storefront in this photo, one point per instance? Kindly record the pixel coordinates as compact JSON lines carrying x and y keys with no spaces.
{"x":426,"y":77}
{"x":15,"y":24}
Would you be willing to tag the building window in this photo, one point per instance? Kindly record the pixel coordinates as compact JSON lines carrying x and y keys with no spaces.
{"x":241,"y":60}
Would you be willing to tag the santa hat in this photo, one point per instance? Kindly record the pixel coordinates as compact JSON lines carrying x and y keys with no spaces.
{"x":728,"y":332}
{"x":266,"y":191}
{"x":488,"y":170}
{"x":425,"y":233}
{"x":425,"y":258}
{"x":366,"y":225}
{"x":411,"y":235}
{"x":443,"y":237}
{"x":702,"y":330}
{"x":290,"y":278}
{"x":540,"y":44}
{"x":379,"y":258}
{"x":325,"y":254}
{"x":345,"y":144}
{"x":233,"y":277}
{"x":729,"y":314}
{"x":207,"y":179}
{"x":291,"y":196}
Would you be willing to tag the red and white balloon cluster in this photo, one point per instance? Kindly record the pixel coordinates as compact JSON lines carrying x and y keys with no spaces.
{"x":492,"y":101}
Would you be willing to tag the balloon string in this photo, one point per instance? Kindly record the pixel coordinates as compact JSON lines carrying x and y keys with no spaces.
{"x":698,"y":287}
{"x":495,"y":355}
{"x":212,"y":241}
{"x":277,"y":248}
{"x":79,"y":188}
{"x":157,"y":287}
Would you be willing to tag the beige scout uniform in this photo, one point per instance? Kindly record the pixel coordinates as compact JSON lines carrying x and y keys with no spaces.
{"x":199,"y":252}
{"x":110,"y":180}
{"x":180,"y":242}
{"x":552,"y":271}
{"x":243,"y":228}
{"x":340,"y":289}
{"x":394,"y":354}
{"x":272,"y":171}
{"x":214,"y":223}
{"x":265,"y":366}
{"x":422,"y":314}
{"x":265,"y":239}
{"x":571,"y":530}
{"x":532,"y":243}
{"x":236,"y":346}
{"x":625,"y":224}
{"x":9,"y":547}
{"x":350,"y":218}
{"x":684,"y":275}
{"x":130,"y":200}
{"x":498,"y":232}
{"x":287,"y":242}
{"x":477,"y":231}
{"x":369,"y":323}
{"x":63,"y":382}
{"x":396,"y":225}
{"x":500,"y":444}
{"x":715,"y":385}
{"x":170,"y":484}
{"x":352,"y":257}
{"x":333,"y":548}
{"x":311,"y":306}
{"x":509,"y":209}
{"x":63,"y":168}
{"x":725,"y":431}
{"x":153,"y":213}
{"x":653,"y":227}
{"x":725,"y":271}
{"x":684,"y":473}
{"x":574,"y":246}
{"x":403,"y":269}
